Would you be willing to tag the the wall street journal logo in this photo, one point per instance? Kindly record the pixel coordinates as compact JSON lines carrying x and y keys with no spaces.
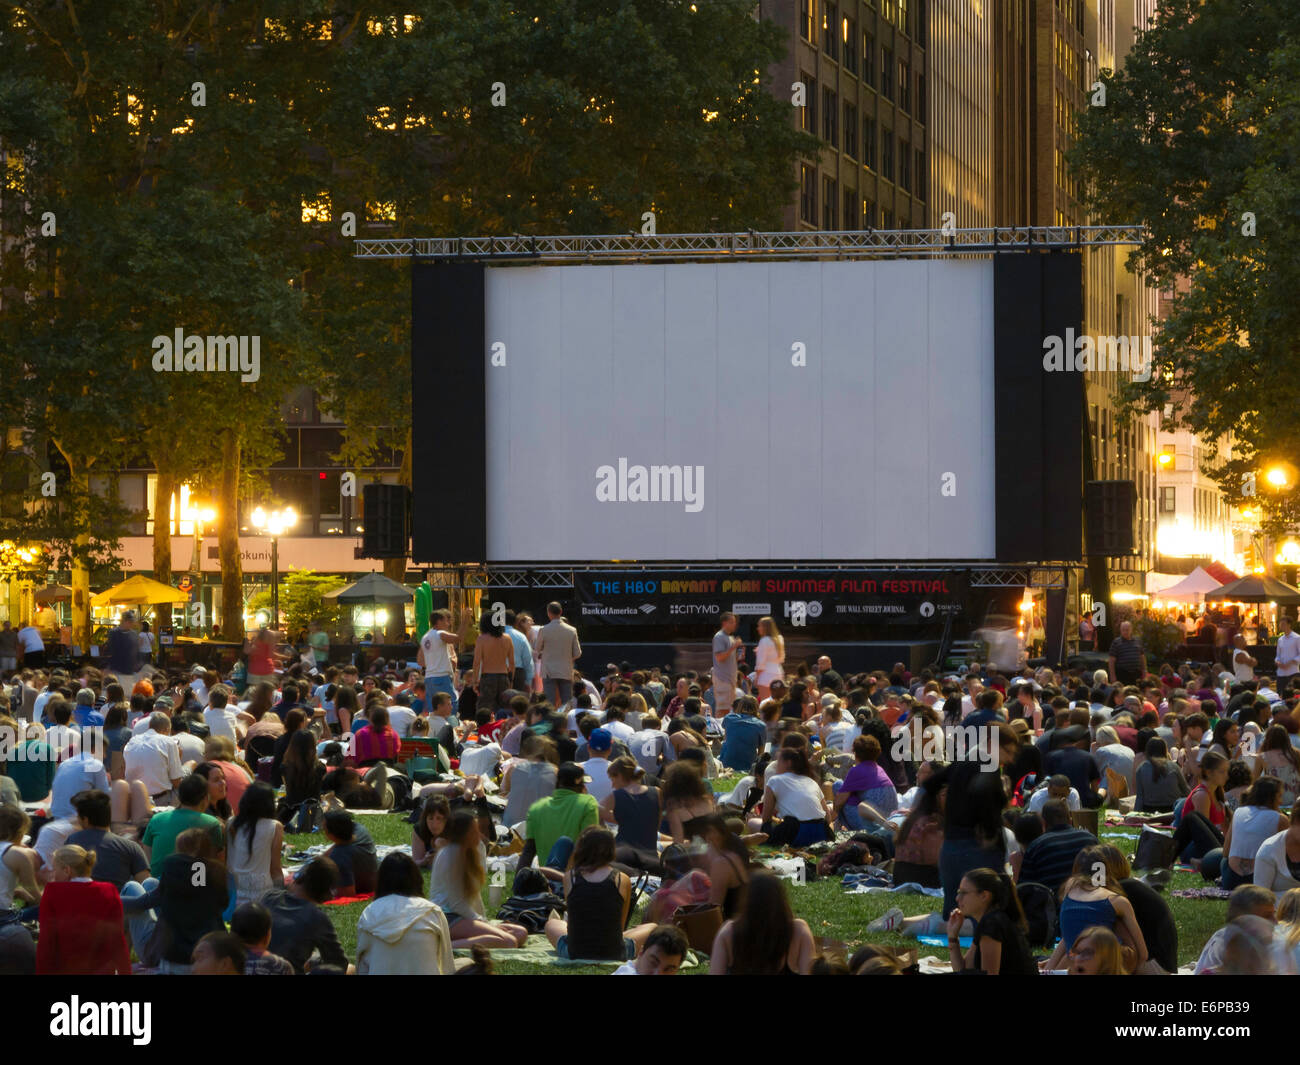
{"x":651,"y":484}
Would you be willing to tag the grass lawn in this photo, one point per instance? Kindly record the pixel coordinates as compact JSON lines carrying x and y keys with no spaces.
{"x":823,"y":904}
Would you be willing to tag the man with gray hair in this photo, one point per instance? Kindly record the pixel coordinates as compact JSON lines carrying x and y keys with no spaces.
{"x":154,"y":759}
{"x":122,"y":650}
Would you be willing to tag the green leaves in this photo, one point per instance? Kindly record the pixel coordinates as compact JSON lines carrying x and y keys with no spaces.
{"x":1197,"y":141}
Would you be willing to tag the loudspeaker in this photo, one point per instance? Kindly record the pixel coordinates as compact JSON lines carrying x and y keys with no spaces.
{"x":1110,"y":510}
{"x":383,"y":514}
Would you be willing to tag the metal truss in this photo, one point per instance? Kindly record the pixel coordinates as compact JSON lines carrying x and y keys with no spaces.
{"x":982,"y":576}
{"x":1020,"y":577}
{"x":819,"y":244}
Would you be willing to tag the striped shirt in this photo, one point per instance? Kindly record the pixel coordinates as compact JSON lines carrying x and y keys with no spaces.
{"x":1050,"y":858}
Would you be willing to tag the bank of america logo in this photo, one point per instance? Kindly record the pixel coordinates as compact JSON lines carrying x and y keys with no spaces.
{"x":647,"y":608}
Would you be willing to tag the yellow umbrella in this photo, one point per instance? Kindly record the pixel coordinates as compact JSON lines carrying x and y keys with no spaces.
{"x":137,"y":591}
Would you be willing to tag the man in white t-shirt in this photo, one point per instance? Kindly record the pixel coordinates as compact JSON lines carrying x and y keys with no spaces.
{"x":154,"y":758}
{"x":218,"y":716}
{"x":32,"y":646}
{"x":401,"y":718}
{"x":1288,"y":656}
{"x":1058,"y":787}
{"x":437,"y":653}
{"x":1243,"y":664}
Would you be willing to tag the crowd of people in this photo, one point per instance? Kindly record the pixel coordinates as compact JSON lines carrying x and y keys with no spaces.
{"x":144,"y":815}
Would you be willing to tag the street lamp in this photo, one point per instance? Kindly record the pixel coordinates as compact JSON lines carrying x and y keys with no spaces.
{"x":272,"y":525}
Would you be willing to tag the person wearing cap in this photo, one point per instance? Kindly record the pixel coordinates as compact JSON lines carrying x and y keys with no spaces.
{"x":555,"y":822}
{"x":599,"y":744}
{"x":1072,"y":759}
{"x":122,"y":650}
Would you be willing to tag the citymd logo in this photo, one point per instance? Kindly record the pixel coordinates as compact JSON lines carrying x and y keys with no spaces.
{"x":695,"y":608}
{"x":651,"y":484}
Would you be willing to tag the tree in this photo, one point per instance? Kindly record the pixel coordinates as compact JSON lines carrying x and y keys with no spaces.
{"x":302,"y":602}
{"x":1197,"y":140}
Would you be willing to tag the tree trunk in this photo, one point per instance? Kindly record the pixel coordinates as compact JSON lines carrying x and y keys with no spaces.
{"x":80,"y":571}
{"x":162,"y":533}
{"x":232,"y":570}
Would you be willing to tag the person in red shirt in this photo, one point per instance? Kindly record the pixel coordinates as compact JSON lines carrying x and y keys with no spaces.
{"x":81,"y":921}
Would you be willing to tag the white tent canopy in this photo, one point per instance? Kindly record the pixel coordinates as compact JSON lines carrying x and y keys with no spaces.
{"x":1192,"y":588}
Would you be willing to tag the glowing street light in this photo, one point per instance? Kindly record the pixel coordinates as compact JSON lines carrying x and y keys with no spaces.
{"x":273,"y":524}
{"x":1277,"y":476}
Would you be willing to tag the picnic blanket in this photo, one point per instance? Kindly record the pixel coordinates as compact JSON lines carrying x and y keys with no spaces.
{"x":1211,"y":892}
{"x":537,"y":950}
{"x":870,"y":887}
{"x":348,"y":900}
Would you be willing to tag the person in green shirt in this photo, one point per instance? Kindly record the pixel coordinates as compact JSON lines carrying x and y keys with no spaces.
{"x":30,"y":764}
{"x":556,"y":821}
{"x":319,"y":641}
{"x":159,"y":840}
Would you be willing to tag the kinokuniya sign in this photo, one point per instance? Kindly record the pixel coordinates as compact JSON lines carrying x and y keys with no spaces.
{"x":631,"y":597}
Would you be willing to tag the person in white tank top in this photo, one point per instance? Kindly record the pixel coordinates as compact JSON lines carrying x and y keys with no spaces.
{"x":1254,"y":821}
{"x":18,"y":864}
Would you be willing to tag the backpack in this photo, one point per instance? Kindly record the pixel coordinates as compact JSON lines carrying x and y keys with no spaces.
{"x":1041,"y":911}
{"x":531,"y":911}
{"x":1023,"y":789}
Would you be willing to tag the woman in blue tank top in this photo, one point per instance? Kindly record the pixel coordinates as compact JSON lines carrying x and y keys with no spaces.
{"x":1093,"y":898}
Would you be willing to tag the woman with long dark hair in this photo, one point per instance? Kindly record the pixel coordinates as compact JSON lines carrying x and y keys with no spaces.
{"x":599,"y":899}
{"x":301,"y":769}
{"x":253,"y":845}
{"x":728,"y":864}
{"x":429,"y":832}
{"x":402,"y":933}
{"x":1253,"y":823}
{"x":999,"y":948}
{"x":218,"y":804}
{"x":1160,"y":783}
{"x":973,"y":836}
{"x":795,"y":810}
{"x":1278,"y":758}
{"x":765,"y":938}
{"x":1204,"y":816}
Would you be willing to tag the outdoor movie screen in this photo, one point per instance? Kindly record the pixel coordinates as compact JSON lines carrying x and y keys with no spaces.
{"x":759,"y":411}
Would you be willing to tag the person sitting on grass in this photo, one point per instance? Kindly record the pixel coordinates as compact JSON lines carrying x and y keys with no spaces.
{"x":353,"y":851}
{"x":765,"y":939}
{"x":1096,"y":951}
{"x":188,"y":898}
{"x":866,"y":784}
{"x":251,"y":922}
{"x":599,"y":898}
{"x":117,"y":859}
{"x":1246,"y":900}
{"x":429,"y":832}
{"x":456,"y":886}
{"x":1085,"y":902}
{"x":219,"y":954}
{"x":665,"y":950}
{"x":299,"y":927}
{"x":402,"y":933}
{"x":555,"y":822}
{"x":999,"y":947}
{"x":81,"y":921}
